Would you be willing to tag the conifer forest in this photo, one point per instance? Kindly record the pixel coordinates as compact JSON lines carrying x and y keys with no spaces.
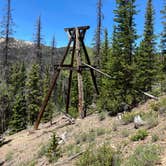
{"x":119,"y":72}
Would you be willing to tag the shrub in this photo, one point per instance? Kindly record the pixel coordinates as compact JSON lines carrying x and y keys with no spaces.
{"x":114,"y":126}
{"x":152,"y":122}
{"x":155,"y":138}
{"x":128,"y":117}
{"x":151,"y":119}
{"x":103,"y":155}
{"x":72,"y":149}
{"x":159,"y":106}
{"x":140,"y":135}
{"x":85,"y":137}
{"x":155,"y":106}
{"x":125,"y":133}
{"x":100,"y":131}
{"x":102,"y":116}
{"x":144,"y":155}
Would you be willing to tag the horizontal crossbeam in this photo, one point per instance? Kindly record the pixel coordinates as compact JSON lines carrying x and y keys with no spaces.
{"x":69,"y":67}
{"x":80,"y":28}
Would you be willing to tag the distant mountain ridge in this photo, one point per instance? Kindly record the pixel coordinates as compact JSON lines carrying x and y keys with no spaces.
{"x":21,"y":50}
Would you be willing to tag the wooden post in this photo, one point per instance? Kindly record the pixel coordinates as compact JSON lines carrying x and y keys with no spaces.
{"x":70,"y":78}
{"x":79,"y":76}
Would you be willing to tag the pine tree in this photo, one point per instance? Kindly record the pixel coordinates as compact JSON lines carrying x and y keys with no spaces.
{"x":17,"y":78}
{"x":18,"y":119}
{"x":123,"y":48}
{"x":105,"y":52}
{"x":146,"y":60}
{"x":4,"y":107}
{"x":7,"y":31}
{"x":105,"y":66}
{"x":34,"y":93}
{"x":163,"y":37}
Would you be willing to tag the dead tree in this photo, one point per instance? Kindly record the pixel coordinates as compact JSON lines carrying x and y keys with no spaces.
{"x":97,"y":45}
{"x":7,"y":31}
{"x":53,"y":49}
{"x":38,"y":44}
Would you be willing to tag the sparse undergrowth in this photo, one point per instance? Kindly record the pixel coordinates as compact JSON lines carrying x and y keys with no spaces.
{"x":90,"y":136}
{"x":102,"y":156}
{"x":159,"y":106}
{"x":144,"y":155}
{"x":9,"y":156}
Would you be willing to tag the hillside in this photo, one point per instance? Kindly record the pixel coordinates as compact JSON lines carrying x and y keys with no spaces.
{"x":25,"y":148}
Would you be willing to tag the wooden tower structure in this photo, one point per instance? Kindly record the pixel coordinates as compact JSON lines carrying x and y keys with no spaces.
{"x":76,"y":43}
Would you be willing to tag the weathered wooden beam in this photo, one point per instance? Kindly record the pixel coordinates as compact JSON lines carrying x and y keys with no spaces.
{"x":79,"y":76}
{"x":70,"y":78}
{"x":52,"y":85}
{"x":79,"y":28}
{"x":91,"y":70}
{"x":70,"y":68}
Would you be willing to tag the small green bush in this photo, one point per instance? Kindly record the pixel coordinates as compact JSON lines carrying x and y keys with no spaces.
{"x":86,"y":137}
{"x":151,"y":119}
{"x":140,"y":135}
{"x":144,"y":155}
{"x":114,"y":126}
{"x":102,"y":156}
{"x":100,"y":131}
{"x":159,"y":106}
{"x":128,"y":117}
{"x":155,"y":138}
{"x":102,"y":116}
{"x":125,"y":133}
{"x":155,"y":106}
{"x":152,"y":122}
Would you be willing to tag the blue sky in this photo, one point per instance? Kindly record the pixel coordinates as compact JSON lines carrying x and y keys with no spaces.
{"x":58,"y":14}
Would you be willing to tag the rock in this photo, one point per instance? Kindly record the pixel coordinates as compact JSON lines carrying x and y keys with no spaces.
{"x":119,"y":116}
{"x":63,"y":138}
{"x":138,"y":121}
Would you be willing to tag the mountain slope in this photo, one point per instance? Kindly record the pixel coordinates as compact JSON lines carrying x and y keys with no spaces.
{"x":24,"y":148}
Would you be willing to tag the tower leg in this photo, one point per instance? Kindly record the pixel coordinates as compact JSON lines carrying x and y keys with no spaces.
{"x":51,"y":88}
{"x":70,"y":79}
{"x":79,"y":77}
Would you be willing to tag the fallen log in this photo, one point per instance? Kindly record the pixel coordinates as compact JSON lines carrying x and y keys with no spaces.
{"x":69,"y":159}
